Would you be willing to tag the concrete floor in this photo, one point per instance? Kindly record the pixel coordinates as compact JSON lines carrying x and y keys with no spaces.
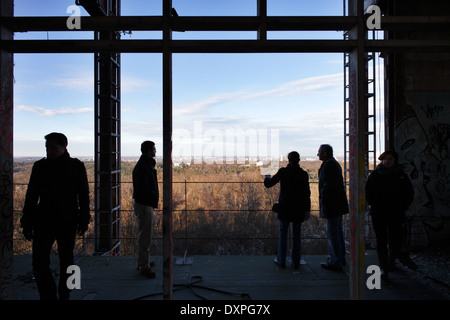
{"x":237,"y":278}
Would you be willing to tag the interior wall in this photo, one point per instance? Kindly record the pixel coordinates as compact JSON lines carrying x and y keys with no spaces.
{"x":417,"y":119}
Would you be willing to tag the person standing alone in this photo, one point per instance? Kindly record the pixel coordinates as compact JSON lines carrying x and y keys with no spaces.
{"x":146,"y":198}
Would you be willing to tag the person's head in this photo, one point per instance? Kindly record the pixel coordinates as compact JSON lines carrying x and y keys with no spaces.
{"x":389,"y":158}
{"x":55,"y":144}
{"x":148,"y":148}
{"x":325,"y":152}
{"x":294,"y":157}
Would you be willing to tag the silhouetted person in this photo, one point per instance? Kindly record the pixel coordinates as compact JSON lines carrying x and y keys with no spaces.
{"x":333,"y":204}
{"x":294,"y":205}
{"x":56,"y":209}
{"x":389,"y":193}
{"x":146,"y":197}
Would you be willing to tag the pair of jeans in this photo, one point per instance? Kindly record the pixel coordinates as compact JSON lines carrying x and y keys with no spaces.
{"x":387,"y":228}
{"x":296,"y":243}
{"x":43,"y":240}
{"x":144,"y":214}
{"x":336,"y":244}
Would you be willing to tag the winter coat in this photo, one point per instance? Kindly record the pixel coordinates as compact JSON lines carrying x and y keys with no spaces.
{"x":57,"y":194}
{"x":389,"y":190}
{"x":332,"y":195}
{"x":294,"y":199}
{"x":145,"y":182}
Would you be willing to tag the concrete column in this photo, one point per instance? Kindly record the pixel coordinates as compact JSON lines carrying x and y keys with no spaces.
{"x":358,"y":146}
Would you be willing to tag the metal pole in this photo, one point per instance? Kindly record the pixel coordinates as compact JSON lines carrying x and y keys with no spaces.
{"x":357,"y":147}
{"x":185,"y":214}
{"x":262,"y":13}
{"x":167,"y":152}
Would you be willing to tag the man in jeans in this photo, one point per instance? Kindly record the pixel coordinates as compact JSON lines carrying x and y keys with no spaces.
{"x":333,"y":205}
{"x":146,"y":197}
{"x":294,"y":206}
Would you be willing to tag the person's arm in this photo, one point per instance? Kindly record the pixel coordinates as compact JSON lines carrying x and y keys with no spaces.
{"x":330,"y":189}
{"x":307,"y":193}
{"x":30,"y":205}
{"x":83,"y":201}
{"x":269,"y":182}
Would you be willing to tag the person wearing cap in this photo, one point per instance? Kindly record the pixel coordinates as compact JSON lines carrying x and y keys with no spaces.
{"x":389,"y":194}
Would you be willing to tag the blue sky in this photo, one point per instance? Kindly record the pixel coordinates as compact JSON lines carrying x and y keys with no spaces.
{"x":297,"y":96}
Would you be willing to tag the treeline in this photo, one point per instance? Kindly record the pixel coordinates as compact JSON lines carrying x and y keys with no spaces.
{"x":218,"y":209}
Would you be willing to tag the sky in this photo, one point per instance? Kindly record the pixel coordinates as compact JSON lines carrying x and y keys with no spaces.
{"x":279,"y":102}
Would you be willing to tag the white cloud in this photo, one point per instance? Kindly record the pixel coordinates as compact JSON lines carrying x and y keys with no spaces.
{"x":150,"y":128}
{"x":83,"y":83}
{"x":199,"y":106}
{"x":302,"y":86}
{"x":52,"y":112}
{"x":307,"y":86}
{"x":86,"y":83}
{"x":134,"y":84}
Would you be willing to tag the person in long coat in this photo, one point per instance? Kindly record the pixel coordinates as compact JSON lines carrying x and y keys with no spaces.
{"x":333,"y":205}
{"x":294,"y":205}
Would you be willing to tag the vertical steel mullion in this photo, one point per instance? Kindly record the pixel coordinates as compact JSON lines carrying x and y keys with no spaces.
{"x":167,"y":152}
{"x":262,"y":14}
{"x":374,"y":104}
{"x":119,"y":141}
{"x":96,"y":146}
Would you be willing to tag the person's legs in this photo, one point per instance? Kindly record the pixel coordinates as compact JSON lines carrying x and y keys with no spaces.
{"x":42,"y":244}
{"x":145,"y":220}
{"x":380,"y":227}
{"x":282,"y":243}
{"x":335,"y":241}
{"x":296,"y":243}
{"x":66,"y":244}
{"x":341,"y":241}
{"x":395,"y":244}
{"x":381,"y":234}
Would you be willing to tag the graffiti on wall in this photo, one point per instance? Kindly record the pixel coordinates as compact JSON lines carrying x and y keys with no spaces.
{"x":423,"y":145}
